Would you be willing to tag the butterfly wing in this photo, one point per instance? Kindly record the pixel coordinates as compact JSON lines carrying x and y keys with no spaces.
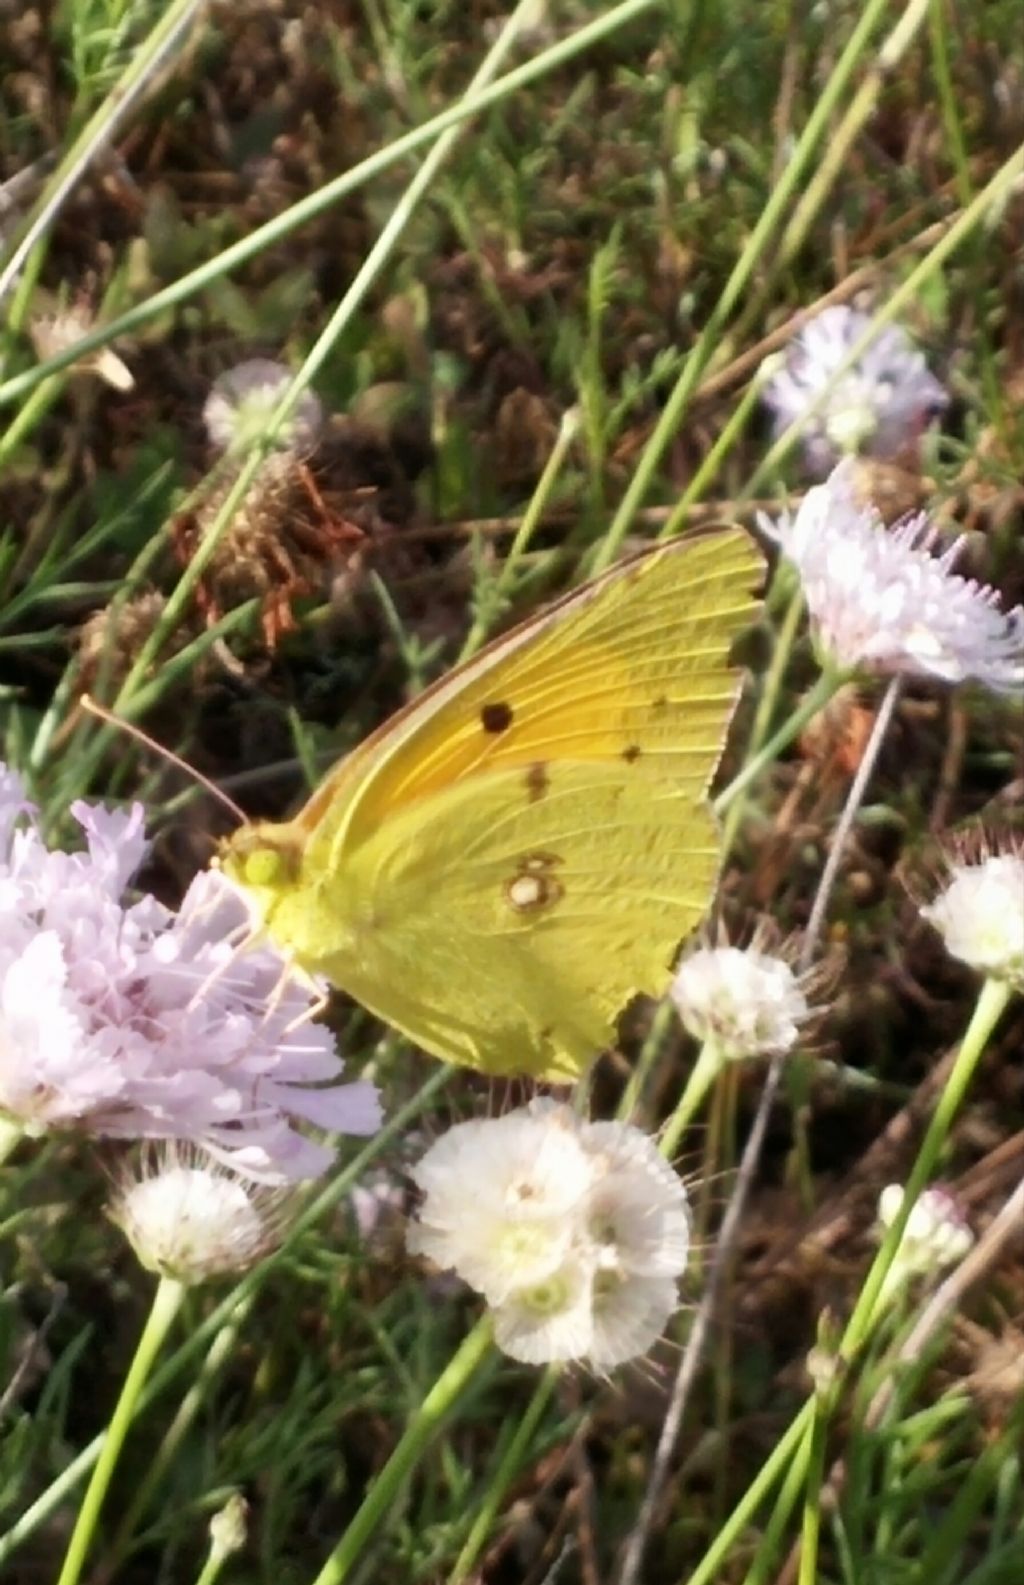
{"x":509,"y":935}
{"x":523,"y":848}
{"x":645,"y":646}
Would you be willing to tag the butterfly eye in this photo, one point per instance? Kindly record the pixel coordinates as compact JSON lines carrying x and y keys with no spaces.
{"x":264,"y":867}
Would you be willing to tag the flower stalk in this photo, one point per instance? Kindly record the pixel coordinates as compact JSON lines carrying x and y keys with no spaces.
{"x":424,"y":1425}
{"x":166,"y":1304}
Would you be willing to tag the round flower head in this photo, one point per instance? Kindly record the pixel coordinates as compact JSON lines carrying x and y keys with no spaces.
{"x":936,"y":1234}
{"x":551,"y":1320}
{"x":880,"y":601}
{"x":638,"y":1224}
{"x":242,"y":399}
{"x":190,"y":1220}
{"x":575,"y":1233}
{"x":980,"y":916}
{"x":879,"y":406}
{"x":743,"y":1002}
{"x":129,"y":1020}
{"x":500,"y":1197}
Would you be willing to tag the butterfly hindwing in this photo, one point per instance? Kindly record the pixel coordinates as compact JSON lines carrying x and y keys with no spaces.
{"x":509,"y":935}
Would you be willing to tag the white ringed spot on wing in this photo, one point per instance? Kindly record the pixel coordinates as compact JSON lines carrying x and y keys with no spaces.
{"x":534,"y":885}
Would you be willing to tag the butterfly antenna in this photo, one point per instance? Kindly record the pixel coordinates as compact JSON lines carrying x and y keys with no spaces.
{"x":90,"y":705}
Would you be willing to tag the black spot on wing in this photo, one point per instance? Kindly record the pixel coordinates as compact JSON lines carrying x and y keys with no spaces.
{"x":496,"y":717}
{"x":632,"y":753}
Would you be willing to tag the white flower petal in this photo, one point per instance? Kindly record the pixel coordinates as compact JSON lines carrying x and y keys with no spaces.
{"x":539,"y":1211}
{"x":189,"y":1220}
{"x":501,"y":1197}
{"x":550,"y":1321}
{"x":637,"y":1216}
{"x":630,"y":1314}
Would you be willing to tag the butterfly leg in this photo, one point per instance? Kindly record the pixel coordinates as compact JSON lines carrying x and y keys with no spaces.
{"x":248,"y":936}
{"x":294,"y":972}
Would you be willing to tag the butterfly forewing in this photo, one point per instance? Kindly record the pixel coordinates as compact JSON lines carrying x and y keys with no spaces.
{"x":636,"y":660}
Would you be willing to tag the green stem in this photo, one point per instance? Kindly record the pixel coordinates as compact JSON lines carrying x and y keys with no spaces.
{"x":988,"y":1009}
{"x":524,"y":533}
{"x":380,"y":1500}
{"x":729,"y":1532}
{"x":314,"y":204}
{"x":153,"y":1477}
{"x":364,"y":280}
{"x":705,"y":1071}
{"x":211,"y":1569}
{"x":872,"y":1302}
{"x":762,"y":1565}
{"x":166,"y":1304}
{"x":798,"y":1441}
{"x":509,"y":1465}
{"x":708,"y":470}
{"x":954,"y":139}
{"x":825,"y":689}
{"x":841,"y":140}
{"x":27,"y":417}
{"x":771,"y":692}
{"x":811,"y":1527}
{"x":650,"y":1051}
{"x":851,"y":808}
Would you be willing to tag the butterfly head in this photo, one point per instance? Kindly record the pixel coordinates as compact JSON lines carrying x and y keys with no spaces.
{"x":263,"y":860}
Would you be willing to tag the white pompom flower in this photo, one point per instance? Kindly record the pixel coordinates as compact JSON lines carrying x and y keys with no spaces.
{"x":575,"y":1233}
{"x":878,"y":407}
{"x":189,"y":1219}
{"x":980,"y":915}
{"x":936,"y":1235}
{"x":501,"y":1196}
{"x":242,"y":399}
{"x":880,"y":601}
{"x":743,"y":1002}
{"x":637,"y":1219}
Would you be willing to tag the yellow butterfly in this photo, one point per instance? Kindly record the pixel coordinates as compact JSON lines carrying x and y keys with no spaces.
{"x":501,"y":866}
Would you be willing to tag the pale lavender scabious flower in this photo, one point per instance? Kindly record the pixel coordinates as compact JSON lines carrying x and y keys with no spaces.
{"x":880,"y":601}
{"x":882,"y":403}
{"x":129,"y":1020}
